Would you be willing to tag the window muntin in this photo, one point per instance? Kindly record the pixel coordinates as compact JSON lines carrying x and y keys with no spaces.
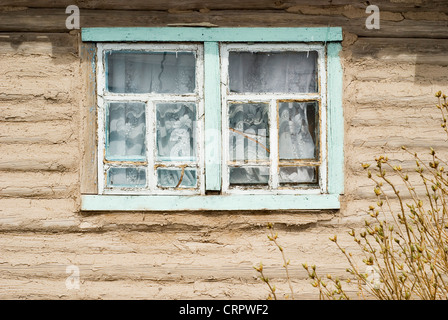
{"x":150,"y":99}
{"x":293,"y":137}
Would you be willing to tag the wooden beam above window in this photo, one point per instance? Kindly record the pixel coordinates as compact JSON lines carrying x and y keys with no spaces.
{"x":325,"y":34}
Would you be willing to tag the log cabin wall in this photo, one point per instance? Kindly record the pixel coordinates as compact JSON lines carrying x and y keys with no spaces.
{"x":390,"y":77}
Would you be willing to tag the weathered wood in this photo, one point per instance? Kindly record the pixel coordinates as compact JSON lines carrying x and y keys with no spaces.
{"x":44,"y":132}
{"x":54,"y":289}
{"x":335,"y":120}
{"x":37,"y":184}
{"x":53,"y":20}
{"x":26,"y":44}
{"x":179,"y":272}
{"x":30,"y":77}
{"x":89,"y":166}
{"x":389,"y":84}
{"x":212,"y":35}
{"x":387,"y":50}
{"x":38,"y":157}
{"x":175,"y":5}
{"x":219,"y":265}
{"x":396,"y":142}
{"x":234,"y":202}
{"x":212,"y":127}
{"x":34,"y":110}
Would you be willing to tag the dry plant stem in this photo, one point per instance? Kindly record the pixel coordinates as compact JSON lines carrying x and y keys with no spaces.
{"x":428,"y":233}
{"x":431,"y":229}
{"x":415,"y":267}
{"x":394,"y":287}
{"x":406,"y":241}
{"x":273,"y":237}
{"x":266,"y":280}
{"x":407,"y":246}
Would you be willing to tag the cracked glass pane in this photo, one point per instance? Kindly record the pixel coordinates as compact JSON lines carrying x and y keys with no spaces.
{"x":176,"y":178}
{"x":249,"y":131}
{"x":273,"y":72}
{"x":150,"y":72}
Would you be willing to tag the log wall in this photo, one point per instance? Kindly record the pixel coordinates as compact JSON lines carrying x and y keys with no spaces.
{"x":390,"y":77}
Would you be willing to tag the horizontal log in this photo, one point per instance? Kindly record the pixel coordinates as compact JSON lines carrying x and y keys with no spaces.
{"x":50,"y":215}
{"x":34,"y":157}
{"x":170,"y":272}
{"x":355,"y":166}
{"x":46,"y":132}
{"x":399,"y":72}
{"x":391,"y":5}
{"x":394,"y":118}
{"x":396,"y":142}
{"x":415,"y":51}
{"x":52,"y":44}
{"x":37,"y":184}
{"x":35,"y":110}
{"x":233,"y":289}
{"x":366,"y":192}
{"x":397,"y":95}
{"x":53,"y":20}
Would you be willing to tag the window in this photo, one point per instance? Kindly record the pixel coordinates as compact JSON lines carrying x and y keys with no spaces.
{"x":218,"y":119}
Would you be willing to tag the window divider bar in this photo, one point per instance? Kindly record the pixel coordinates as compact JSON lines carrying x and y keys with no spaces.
{"x":273,"y":143}
{"x":212,"y":109}
{"x":150,"y":144}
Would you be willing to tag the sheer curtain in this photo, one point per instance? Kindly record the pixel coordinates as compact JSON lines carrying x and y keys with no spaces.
{"x":176,"y":141}
{"x":273,"y":72}
{"x":151,"y":72}
{"x":126,"y":131}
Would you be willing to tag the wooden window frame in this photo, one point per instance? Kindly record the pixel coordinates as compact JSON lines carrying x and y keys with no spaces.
{"x":273,"y":99}
{"x":329,"y":38}
{"x":150,"y":101}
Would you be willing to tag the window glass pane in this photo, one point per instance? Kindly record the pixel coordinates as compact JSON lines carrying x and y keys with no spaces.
{"x":176,"y":131}
{"x":126,"y":177}
{"x":249,"y":175}
{"x":176,"y":177}
{"x":282,"y":72}
{"x":298,"y":130}
{"x":126,"y":131}
{"x":296,"y":175}
{"x":150,"y":72}
{"x":249,"y":131}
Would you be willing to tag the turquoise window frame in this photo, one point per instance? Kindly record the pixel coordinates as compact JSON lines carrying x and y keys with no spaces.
{"x":211,"y":37}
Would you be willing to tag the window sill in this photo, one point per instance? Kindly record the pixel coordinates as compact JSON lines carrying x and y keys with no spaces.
{"x":209,"y":203}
